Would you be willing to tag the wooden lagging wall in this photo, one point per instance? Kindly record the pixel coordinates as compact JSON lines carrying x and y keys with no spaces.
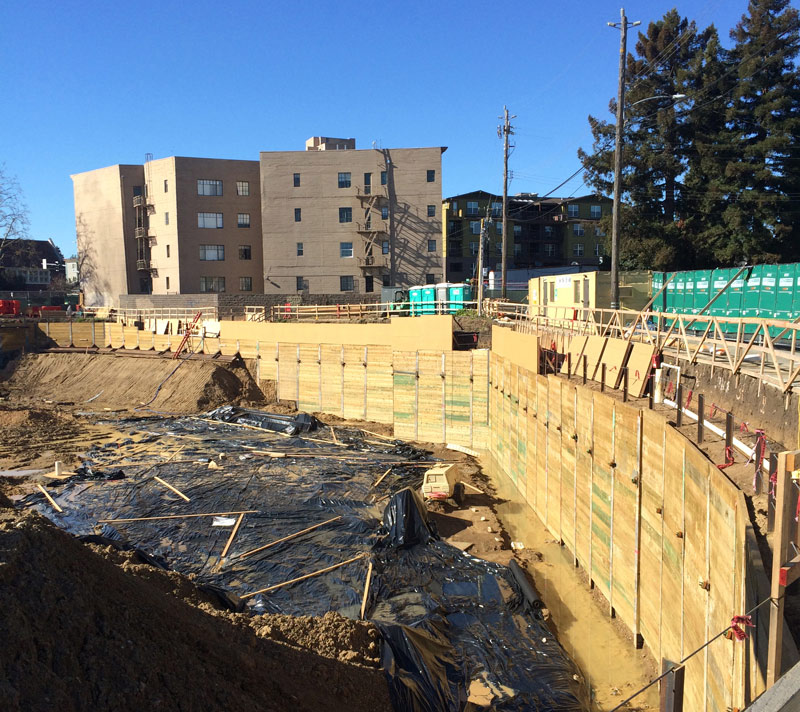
{"x":644,"y":513}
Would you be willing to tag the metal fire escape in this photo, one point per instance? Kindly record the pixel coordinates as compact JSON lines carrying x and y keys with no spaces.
{"x":143,"y":210}
{"x":374,"y":229}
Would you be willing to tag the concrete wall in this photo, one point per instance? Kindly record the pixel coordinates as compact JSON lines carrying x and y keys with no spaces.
{"x":104,"y":222}
{"x":318,"y":197}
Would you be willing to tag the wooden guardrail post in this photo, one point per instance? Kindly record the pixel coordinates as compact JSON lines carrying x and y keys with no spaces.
{"x":679,"y":403}
{"x":784,"y":571}
{"x":700,"y":426}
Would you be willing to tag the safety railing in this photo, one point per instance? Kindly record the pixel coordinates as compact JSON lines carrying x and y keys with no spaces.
{"x":374,"y":311}
{"x":131,"y":316}
{"x":766,"y":348}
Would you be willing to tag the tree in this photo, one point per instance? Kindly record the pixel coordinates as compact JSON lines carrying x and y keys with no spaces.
{"x":760,"y":139}
{"x":13,"y":211}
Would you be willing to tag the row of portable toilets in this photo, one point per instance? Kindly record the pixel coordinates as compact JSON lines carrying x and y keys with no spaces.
{"x":761,"y":291}
{"x":442,"y":298}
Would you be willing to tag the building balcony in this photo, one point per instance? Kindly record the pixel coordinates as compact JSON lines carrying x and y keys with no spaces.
{"x":373,"y":226}
{"x":139,"y":232}
{"x":138,"y":201}
{"x":372,"y":264}
{"x":143,"y":264}
{"x":370,"y":192}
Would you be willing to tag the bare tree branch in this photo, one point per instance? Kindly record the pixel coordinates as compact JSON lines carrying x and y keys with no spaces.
{"x":13,"y":210}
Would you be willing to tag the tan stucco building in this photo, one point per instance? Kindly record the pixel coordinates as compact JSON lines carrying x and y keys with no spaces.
{"x":172,"y":226}
{"x":340,"y":220}
{"x":327,"y":220}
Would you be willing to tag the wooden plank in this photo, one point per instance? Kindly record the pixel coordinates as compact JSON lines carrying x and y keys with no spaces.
{"x":614,"y":356}
{"x":603,"y":430}
{"x":553,"y":515}
{"x":331,"y":378}
{"x":380,"y":387}
{"x":287,"y":369}
{"x":288,"y":537}
{"x":309,"y":375}
{"x":640,"y":361}
{"x":583,"y":477}
{"x":405,"y":394}
{"x":575,"y":351}
{"x":595,"y":345}
{"x":568,"y":490}
{"x":430,"y":413}
{"x":232,"y":536}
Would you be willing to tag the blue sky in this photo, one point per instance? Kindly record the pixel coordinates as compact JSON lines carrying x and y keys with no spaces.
{"x":91,"y":84}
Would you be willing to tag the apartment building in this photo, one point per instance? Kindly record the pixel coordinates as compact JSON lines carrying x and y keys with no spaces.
{"x":543,"y":232}
{"x":171,"y":226}
{"x":341,"y":220}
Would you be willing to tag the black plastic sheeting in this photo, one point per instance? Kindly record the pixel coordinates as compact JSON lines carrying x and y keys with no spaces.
{"x":448,"y":619}
{"x":288,"y":424}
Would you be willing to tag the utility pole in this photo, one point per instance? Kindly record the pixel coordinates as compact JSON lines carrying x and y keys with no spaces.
{"x":623,"y":26}
{"x":503,"y":132}
{"x":482,"y":238}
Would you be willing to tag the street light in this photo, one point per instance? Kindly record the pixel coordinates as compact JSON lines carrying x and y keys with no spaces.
{"x":618,"y":181}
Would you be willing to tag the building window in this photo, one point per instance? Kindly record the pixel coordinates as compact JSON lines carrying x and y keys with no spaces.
{"x":548,"y":230}
{"x":296,"y":180}
{"x":245,"y":284}
{"x":166,"y":190}
{"x":167,"y":250}
{"x":137,"y":190}
{"x":209,"y":220}
{"x":598,"y":249}
{"x":385,"y":247}
{"x":497,"y":210}
{"x":383,"y":177}
{"x":430,"y":177}
{"x":517,"y":230}
{"x":344,"y":180}
{"x":475,"y":227}
{"x":367,"y":183}
{"x":595,"y":211}
{"x":345,"y":249}
{"x":346,"y":283}
{"x":473,"y":248}
{"x":431,"y":211}
{"x":549,"y":249}
{"x":387,"y":280}
{"x":573,"y":210}
{"x":384,"y":213}
{"x":368,"y":284}
{"x":242,"y":187}
{"x":243,"y":220}
{"x":167,"y":282}
{"x":212,"y":253}
{"x":498,"y":226}
{"x":209,"y":187}
{"x":517,"y":249}
{"x":166,"y":218}
{"x":578,"y":230}
{"x":245,"y":253}
{"x":430,"y":278}
{"x":298,"y":214}
{"x":345,"y":215}
{"x":577,"y":249}
{"x":599,"y":232}
{"x":472,"y":208}
{"x":300,"y":284}
{"x":299,"y":249}
{"x":212,"y":284}
{"x":431,"y":245}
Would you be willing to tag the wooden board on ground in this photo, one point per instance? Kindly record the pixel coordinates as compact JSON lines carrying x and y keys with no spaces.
{"x":614,"y":356}
{"x":595,"y":345}
{"x":640,"y":360}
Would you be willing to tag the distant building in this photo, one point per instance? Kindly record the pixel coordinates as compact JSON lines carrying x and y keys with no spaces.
{"x":71,"y":270}
{"x":337,"y":220}
{"x":328,"y":220}
{"x":174,"y":225}
{"x":543,"y":232}
{"x":21,"y":264}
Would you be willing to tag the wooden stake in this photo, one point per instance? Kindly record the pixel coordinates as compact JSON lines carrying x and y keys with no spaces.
{"x":472,"y":487}
{"x":49,"y":498}
{"x":179,"y":516}
{"x":377,"y":435}
{"x":286,"y":538}
{"x":380,"y":479}
{"x":366,"y":591}
{"x":303,"y":578}
{"x":233,"y":534}
{"x":170,"y":487}
{"x":333,"y":433}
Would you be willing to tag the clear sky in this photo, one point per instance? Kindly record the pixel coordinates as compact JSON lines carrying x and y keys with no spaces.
{"x":90,"y":84}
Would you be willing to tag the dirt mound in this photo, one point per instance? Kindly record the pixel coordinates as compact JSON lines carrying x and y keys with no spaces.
{"x":79,"y":632}
{"x":36,"y":437}
{"x":118,"y":381}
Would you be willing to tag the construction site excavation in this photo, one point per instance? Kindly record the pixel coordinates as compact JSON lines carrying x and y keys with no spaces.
{"x":211,"y":514}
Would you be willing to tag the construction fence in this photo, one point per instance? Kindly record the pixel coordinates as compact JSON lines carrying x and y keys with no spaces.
{"x":659,"y":529}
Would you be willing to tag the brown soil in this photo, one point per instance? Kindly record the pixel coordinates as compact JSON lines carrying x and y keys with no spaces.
{"x":86,"y":629}
{"x":127,"y":382}
{"x":481,"y":324}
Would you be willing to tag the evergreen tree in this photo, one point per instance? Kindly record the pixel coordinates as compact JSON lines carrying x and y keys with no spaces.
{"x":760,"y":141}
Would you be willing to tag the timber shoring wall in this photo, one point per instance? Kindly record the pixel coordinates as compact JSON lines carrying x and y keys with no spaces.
{"x":656,"y":526}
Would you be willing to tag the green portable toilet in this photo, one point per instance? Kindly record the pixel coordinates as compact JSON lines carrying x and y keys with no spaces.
{"x":415,"y":300}
{"x":751,"y":296}
{"x":680,"y":293}
{"x":429,"y":299}
{"x":458,"y":294}
{"x":769,"y":289}
{"x":700,"y":295}
{"x":785,"y":292}
{"x":669,"y":295}
{"x":719,"y":278}
{"x":656,"y":284}
{"x":736,"y":299}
